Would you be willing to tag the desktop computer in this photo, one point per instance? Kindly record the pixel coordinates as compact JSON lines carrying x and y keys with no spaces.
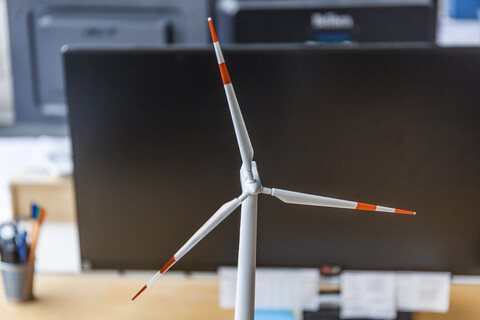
{"x":154,"y":154}
{"x":327,"y":21}
{"x":39,"y":28}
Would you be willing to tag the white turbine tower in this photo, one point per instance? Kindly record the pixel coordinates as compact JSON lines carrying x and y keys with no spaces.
{"x":251,"y":188}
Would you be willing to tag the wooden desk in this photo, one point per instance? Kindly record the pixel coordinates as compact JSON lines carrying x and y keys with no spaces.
{"x":464,"y":304}
{"x":107,"y":296}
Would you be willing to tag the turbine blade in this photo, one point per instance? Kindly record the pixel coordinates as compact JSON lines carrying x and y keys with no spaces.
{"x":313,"y":200}
{"x":244,"y":143}
{"x":211,"y":223}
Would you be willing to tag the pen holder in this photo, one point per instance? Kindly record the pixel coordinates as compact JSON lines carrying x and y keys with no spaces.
{"x":18,"y":280}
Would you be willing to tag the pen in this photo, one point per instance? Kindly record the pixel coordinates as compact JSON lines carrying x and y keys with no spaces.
{"x":21,"y":241}
{"x":37,"y":222}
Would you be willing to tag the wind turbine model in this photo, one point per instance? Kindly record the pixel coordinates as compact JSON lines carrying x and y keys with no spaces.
{"x":251,"y":188}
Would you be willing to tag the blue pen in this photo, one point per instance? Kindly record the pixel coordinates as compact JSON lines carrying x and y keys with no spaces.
{"x":35,"y":210}
{"x":21,"y":241}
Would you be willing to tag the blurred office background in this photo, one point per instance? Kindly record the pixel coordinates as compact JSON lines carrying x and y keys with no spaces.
{"x":32,"y":33}
{"x":36,"y":162}
{"x":34,"y":130}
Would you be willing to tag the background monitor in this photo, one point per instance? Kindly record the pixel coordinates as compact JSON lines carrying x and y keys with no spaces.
{"x":155,"y":154}
{"x":324,"y":21}
{"x":39,"y":28}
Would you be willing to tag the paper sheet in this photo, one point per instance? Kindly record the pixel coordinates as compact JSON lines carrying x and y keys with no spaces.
{"x":368,"y":295}
{"x":423,"y":291}
{"x":58,"y":249}
{"x":275,"y":289}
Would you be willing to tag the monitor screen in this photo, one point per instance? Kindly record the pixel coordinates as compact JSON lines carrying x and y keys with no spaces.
{"x":39,"y":29}
{"x":155,"y":154}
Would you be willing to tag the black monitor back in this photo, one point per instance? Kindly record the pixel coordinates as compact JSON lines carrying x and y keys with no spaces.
{"x":155,"y":155}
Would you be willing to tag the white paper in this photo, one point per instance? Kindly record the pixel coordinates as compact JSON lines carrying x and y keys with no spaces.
{"x":423,"y":291}
{"x":275,"y":288}
{"x":367,"y":294}
{"x":58,"y":249}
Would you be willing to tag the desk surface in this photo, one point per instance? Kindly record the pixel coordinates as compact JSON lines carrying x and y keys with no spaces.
{"x":107,"y":296}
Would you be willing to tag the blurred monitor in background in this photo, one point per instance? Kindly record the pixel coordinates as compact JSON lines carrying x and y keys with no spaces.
{"x":155,"y":154}
{"x":327,"y":21}
{"x":39,"y":28}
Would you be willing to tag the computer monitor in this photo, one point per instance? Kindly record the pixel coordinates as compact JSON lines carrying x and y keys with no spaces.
{"x":155,"y":154}
{"x":39,"y":28}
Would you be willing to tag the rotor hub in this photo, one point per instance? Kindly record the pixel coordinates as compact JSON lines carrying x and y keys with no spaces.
{"x":252,"y":187}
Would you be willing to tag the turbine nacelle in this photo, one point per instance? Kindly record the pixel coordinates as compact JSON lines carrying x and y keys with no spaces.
{"x":250,"y":186}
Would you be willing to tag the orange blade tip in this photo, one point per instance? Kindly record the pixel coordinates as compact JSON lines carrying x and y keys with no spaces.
{"x":405,"y":212}
{"x":139,"y":293}
{"x":212,"y":30}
